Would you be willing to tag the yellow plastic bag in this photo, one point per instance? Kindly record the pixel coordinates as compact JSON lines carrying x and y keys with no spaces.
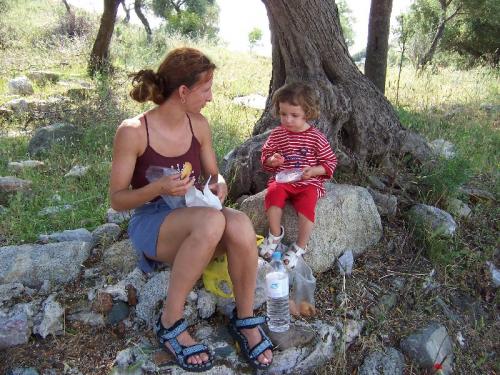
{"x":216,"y":276}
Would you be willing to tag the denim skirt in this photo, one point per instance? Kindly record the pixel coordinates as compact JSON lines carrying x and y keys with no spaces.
{"x":143,"y":230}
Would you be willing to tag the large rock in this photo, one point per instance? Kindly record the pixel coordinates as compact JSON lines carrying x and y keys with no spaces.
{"x":346,"y":219}
{"x":429,"y":346}
{"x":386,"y":362}
{"x":425,"y":217}
{"x":51,"y":319}
{"x":120,"y":257}
{"x":298,"y":359}
{"x":151,"y":296}
{"x":14,"y":329}
{"x":44,"y":138}
{"x":42,"y":77}
{"x":10,"y":185}
{"x":20,"y":86}
{"x":31,"y":265}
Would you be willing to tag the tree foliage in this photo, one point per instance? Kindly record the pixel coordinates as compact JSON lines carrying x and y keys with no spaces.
{"x":254,"y":37}
{"x":471,"y":29}
{"x":346,"y":21}
{"x":192,"y":18}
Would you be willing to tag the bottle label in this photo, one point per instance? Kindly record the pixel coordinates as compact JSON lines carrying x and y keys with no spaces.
{"x":277,"y":287}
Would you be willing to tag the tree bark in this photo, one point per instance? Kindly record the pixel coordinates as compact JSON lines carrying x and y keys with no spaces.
{"x":361,"y":125}
{"x":99,"y":57}
{"x":142,"y":17}
{"x":126,"y":20}
{"x":378,"y":42}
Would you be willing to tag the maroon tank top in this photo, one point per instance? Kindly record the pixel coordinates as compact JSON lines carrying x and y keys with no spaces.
{"x":152,"y":158}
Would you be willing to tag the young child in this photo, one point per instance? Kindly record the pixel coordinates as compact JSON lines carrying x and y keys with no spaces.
{"x":295,"y":144}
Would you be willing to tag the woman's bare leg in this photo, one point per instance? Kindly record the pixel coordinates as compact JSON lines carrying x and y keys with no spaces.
{"x":187,"y":241}
{"x":239,"y":243}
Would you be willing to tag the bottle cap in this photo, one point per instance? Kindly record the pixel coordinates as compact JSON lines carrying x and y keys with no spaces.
{"x":276,"y":255}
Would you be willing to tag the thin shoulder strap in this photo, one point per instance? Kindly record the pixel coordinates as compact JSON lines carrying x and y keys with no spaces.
{"x":190,"y":125}
{"x":147,"y":130}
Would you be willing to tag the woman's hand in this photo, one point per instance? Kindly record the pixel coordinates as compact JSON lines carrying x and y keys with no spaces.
{"x":275,"y":160}
{"x":174,"y":185}
{"x":219,"y":189}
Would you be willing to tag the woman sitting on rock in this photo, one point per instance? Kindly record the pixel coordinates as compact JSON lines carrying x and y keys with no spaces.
{"x":169,"y":135}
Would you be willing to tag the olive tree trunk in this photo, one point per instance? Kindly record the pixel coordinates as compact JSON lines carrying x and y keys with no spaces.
{"x":361,"y":125}
{"x":99,"y":57}
{"x":378,"y":42}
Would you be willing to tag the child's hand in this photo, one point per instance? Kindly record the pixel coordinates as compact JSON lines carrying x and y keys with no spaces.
{"x":309,"y":172}
{"x":275,"y":160}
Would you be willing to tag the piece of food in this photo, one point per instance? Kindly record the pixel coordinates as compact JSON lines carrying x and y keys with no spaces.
{"x":306,"y":309}
{"x":187,"y":168}
{"x":293,"y":308}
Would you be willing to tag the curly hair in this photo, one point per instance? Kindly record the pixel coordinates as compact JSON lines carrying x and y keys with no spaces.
{"x":299,"y":94}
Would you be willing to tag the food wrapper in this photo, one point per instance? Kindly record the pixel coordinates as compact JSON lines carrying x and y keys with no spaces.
{"x":196,"y":198}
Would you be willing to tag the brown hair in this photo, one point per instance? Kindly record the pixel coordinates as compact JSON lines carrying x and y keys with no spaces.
{"x":298,"y":93}
{"x":181,"y":66}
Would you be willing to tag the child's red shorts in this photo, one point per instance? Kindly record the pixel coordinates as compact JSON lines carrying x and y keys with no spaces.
{"x":303,"y":198}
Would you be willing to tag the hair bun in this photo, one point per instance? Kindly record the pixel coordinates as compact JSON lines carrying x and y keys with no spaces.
{"x":147,"y":85}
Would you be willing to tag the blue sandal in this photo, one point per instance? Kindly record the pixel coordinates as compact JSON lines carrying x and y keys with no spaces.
{"x":181,"y":352}
{"x":250,"y":354}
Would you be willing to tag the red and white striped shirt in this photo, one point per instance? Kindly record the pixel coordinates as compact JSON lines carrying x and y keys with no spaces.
{"x":300,"y":149}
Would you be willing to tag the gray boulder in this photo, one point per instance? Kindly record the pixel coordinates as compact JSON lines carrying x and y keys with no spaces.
{"x":429,"y":346}
{"x":346,"y":219}
{"x":42,"y":77}
{"x":10,"y":185}
{"x":80,"y":234}
{"x":299,"y":359}
{"x":51,"y":320}
{"x":458,"y":208}
{"x":425,"y":217}
{"x":443,"y":148}
{"x":44,"y":138}
{"x":14,"y":329}
{"x":120,"y":257}
{"x":151,"y":296}
{"x":105,"y":234}
{"x":387,"y":204}
{"x":389,"y":361}
{"x":20,"y":86}
{"x":32,"y":264}
{"x":18,"y":166}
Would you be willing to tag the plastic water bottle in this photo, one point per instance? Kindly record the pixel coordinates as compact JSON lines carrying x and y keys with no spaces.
{"x":278,"y":310}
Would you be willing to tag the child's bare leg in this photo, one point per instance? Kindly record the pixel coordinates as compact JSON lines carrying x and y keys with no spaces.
{"x":305,"y":230}
{"x":274,"y":214}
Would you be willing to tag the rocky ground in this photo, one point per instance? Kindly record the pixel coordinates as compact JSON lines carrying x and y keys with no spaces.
{"x":392,"y":289}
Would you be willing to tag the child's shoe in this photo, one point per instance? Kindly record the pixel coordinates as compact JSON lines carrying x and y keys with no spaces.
{"x":270,"y":244}
{"x":292,"y":255}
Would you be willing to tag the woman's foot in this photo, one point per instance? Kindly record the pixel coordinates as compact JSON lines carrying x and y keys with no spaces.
{"x":185,"y":339}
{"x":254,"y":337}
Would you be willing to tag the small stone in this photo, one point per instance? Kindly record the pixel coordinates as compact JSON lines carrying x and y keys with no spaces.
{"x":20,"y":86}
{"x":77,"y":171}
{"x":103,"y":303}
{"x":119,"y":312}
{"x":161,"y":358}
{"x":132,"y":295}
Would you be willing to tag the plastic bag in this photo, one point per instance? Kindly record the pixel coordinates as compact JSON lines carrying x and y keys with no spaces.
{"x":216,"y":276}
{"x":196,"y":198}
{"x":153,"y":173}
{"x":345,"y":262}
{"x":303,"y":285}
